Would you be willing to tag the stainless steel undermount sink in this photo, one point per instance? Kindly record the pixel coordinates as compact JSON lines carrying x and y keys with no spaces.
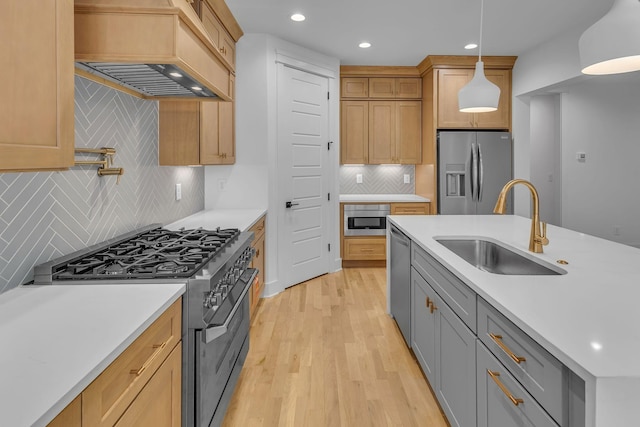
{"x":493,"y":257}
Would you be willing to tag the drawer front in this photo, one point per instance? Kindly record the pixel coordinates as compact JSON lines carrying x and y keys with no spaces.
{"x":109,"y":395}
{"x":365,"y":249}
{"x":496,"y":389}
{"x":541,"y":374}
{"x":410,"y":209}
{"x":456,"y":294}
{"x":258,"y":229}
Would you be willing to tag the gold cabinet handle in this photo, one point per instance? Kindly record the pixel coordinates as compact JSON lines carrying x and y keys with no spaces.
{"x":257,"y":253}
{"x":430,"y":305}
{"x":159,"y":348}
{"x":494,"y":376}
{"x":498,"y":340}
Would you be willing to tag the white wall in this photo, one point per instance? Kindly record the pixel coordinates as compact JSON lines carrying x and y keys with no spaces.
{"x":601,"y":117}
{"x":598,"y":115}
{"x":252,"y":182}
{"x":545,"y":155}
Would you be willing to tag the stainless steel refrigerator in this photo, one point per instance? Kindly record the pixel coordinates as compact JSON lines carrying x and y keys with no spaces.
{"x":472,"y":169}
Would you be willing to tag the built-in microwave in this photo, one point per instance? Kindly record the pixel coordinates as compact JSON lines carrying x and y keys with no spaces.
{"x":366,"y":220}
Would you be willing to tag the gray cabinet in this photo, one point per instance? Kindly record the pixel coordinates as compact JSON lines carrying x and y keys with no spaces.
{"x":446,"y":350}
{"x":455,"y":367}
{"x":502,"y":401}
{"x":423,"y":325}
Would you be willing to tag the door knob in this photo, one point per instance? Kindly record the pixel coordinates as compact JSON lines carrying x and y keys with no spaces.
{"x":289,"y":204}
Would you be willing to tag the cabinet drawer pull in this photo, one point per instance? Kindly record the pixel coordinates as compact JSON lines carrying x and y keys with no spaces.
{"x":432,"y":307}
{"x":428,"y":302}
{"x":494,"y":376}
{"x":257,"y":253}
{"x":159,"y":348}
{"x":498,"y":340}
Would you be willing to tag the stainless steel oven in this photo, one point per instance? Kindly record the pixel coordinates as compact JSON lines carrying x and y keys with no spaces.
{"x":366,"y":220}
{"x":214,"y":265}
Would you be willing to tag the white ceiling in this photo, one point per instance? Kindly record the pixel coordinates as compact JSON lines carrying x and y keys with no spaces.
{"x":403,"y":32}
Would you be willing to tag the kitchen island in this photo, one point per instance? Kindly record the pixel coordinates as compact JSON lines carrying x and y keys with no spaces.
{"x":587,"y":318}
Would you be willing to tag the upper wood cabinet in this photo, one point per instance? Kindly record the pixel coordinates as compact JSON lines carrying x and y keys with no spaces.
{"x":37,"y":103}
{"x":223,"y":40}
{"x":380,"y":132}
{"x":197,"y":133}
{"x":449,"y":83}
{"x":354,"y":87}
{"x":395,"y":88}
{"x":381,"y":116}
{"x":354,"y":132}
{"x":394,"y":132}
{"x":381,"y":87}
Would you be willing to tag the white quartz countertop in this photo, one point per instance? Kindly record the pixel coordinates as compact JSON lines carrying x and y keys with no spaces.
{"x":57,"y":339}
{"x":382,"y":198}
{"x":242,"y":219}
{"x":588,"y":318}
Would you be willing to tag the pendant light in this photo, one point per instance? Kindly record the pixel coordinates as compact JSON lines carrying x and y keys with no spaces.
{"x":479,"y":95}
{"x":612,"y":45}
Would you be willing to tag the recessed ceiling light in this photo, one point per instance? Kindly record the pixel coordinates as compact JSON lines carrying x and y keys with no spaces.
{"x":196,"y":88}
{"x":298,"y":17}
{"x":471,"y":46}
{"x":174,"y":74}
{"x":596,"y":346}
{"x":364,"y":45}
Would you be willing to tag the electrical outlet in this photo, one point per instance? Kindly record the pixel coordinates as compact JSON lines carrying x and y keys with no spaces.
{"x":178,"y":192}
{"x":407,"y":178}
{"x":221,"y":184}
{"x":358,"y":178}
{"x":616,"y":230}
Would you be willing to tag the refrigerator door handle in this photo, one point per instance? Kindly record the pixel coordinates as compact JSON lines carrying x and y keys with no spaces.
{"x":480,"y":173}
{"x":474,"y":173}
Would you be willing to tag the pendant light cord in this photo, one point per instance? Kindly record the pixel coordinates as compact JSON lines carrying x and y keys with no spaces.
{"x":480,"y":42}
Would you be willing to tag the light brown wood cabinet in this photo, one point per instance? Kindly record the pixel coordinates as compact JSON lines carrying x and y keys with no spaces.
{"x":366,"y":248}
{"x":223,"y":40}
{"x":381,"y":87}
{"x":395,"y":88}
{"x":354,"y":132}
{"x":381,"y":132}
{"x":419,"y":208}
{"x":258,"y":244}
{"x":37,"y":103}
{"x":196,"y":133}
{"x":203,"y":133}
{"x":142,"y":387}
{"x":354,"y":87}
{"x":450,"y":81}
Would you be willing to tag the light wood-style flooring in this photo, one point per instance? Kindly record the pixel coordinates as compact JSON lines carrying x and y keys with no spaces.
{"x":325,"y":353}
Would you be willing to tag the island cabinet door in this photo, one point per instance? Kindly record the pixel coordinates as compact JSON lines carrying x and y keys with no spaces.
{"x":501,"y":399}
{"x":423,"y":325}
{"x":455,"y":367}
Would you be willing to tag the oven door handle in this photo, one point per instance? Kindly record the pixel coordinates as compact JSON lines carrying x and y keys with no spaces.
{"x":214,"y":332}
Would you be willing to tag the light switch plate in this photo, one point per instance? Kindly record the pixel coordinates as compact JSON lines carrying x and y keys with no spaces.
{"x":178,"y":192}
{"x":407,"y":178}
{"x":358,"y":178}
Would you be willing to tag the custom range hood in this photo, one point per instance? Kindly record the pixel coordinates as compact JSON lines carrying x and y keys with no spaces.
{"x":157,"y":48}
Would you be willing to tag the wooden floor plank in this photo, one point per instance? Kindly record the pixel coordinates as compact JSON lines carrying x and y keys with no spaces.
{"x":325,"y":353}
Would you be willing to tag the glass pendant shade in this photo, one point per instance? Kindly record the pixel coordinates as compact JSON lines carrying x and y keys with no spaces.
{"x":479,"y":95}
{"x":612,"y":45}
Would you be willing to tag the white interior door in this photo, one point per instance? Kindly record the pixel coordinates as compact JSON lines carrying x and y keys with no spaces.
{"x":303,"y":135}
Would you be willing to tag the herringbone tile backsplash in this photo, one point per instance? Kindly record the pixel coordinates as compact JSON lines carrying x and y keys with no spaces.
{"x":377,"y":179}
{"x":44,"y":215}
